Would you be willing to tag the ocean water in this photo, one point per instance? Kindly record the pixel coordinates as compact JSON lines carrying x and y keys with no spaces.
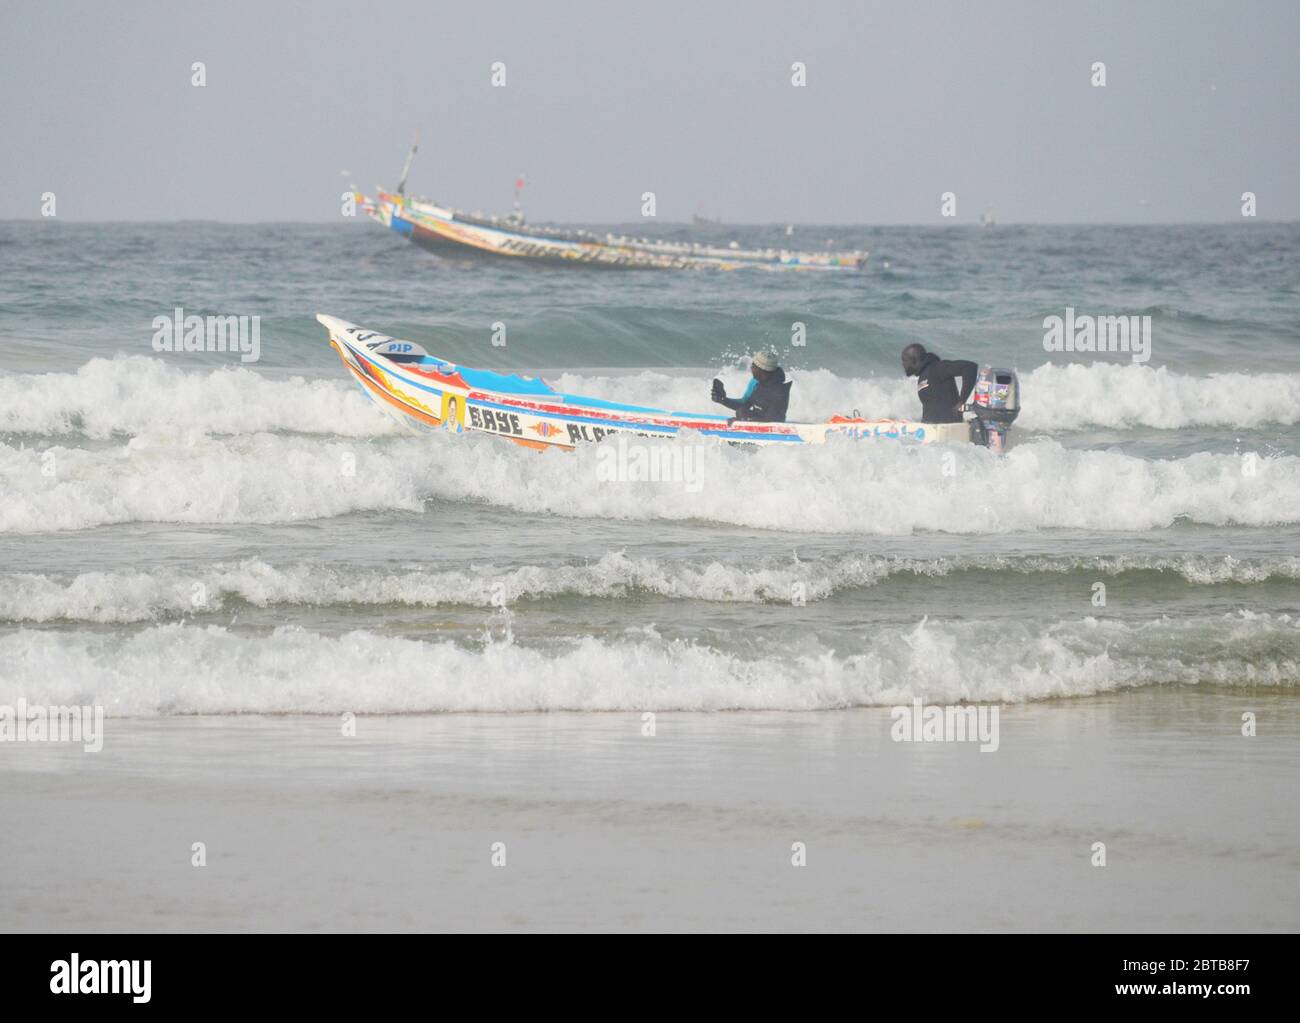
{"x":178,"y":535}
{"x":232,"y":557}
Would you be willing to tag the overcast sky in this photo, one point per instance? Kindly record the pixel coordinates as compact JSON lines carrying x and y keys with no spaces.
{"x":603,"y":101}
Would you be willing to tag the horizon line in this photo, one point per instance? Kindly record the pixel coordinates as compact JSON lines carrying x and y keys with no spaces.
{"x":686,"y":223}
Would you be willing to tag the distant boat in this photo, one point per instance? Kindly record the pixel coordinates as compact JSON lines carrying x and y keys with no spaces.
{"x":988,"y":218}
{"x":446,"y":229}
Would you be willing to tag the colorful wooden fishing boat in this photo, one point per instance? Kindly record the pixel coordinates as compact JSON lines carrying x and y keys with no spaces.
{"x":448,"y":230}
{"x":426,"y":393}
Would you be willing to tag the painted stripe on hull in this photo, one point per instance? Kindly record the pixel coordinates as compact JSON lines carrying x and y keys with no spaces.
{"x":403,"y":393}
{"x":602,"y":420}
{"x":441,"y":230}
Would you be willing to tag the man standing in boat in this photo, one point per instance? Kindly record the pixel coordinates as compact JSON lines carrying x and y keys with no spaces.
{"x":765,"y":399}
{"x":936,"y":383}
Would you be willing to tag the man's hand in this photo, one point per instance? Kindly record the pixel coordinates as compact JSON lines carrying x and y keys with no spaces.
{"x":719,"y":392}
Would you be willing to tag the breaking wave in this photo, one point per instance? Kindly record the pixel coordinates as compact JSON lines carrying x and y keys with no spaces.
{"x":157,"y":594}
{"x":844,"y":486}
{"x":1056,"y":398}
{"x":139,"y":395}
{"x":187,"y":669}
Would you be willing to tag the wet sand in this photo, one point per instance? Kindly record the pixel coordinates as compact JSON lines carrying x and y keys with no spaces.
{"x":691,"y":829}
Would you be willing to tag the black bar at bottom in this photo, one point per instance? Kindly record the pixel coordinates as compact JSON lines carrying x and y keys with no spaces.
{"x":335,"y":972}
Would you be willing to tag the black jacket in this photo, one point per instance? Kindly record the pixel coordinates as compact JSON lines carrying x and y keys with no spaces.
{"x":767,"y":403}
{"x":936,"y":386}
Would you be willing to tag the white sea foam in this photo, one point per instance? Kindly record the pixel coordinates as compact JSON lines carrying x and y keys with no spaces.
{"x":139,"y":395}
{"x":186,"y":669}
{"x":148,"y":595}
{"x":246,"y":478}
{"x":1055,"y":397}
{"x":843,"y":486}
{"x":1122,"y":396}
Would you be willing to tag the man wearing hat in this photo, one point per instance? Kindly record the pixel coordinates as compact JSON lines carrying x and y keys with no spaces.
{"x":766,"y":398}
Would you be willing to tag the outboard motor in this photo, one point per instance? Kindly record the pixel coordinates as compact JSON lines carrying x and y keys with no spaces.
{"x":996,"y":403}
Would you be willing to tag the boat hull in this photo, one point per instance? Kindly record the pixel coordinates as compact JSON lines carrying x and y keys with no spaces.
{"x":445,"y":230}
{"x":436,"y":395}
